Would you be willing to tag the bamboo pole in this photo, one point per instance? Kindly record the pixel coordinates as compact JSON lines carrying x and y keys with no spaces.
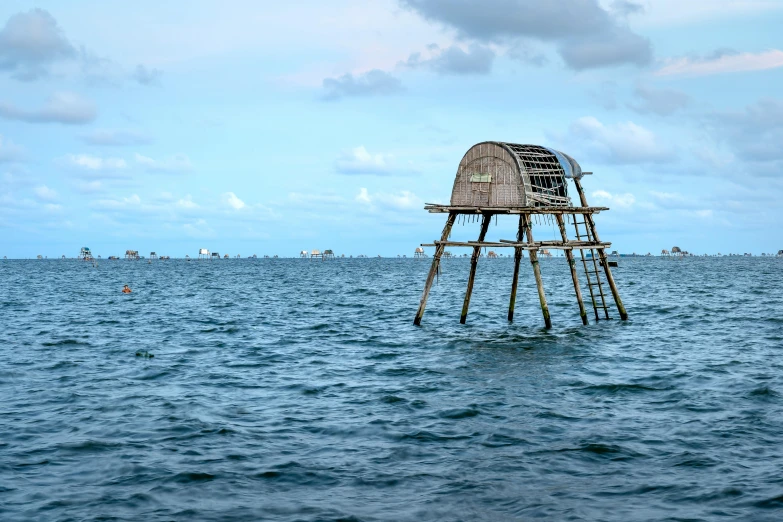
{"x":602,"y":254}
{"x":473,"y":264}
{"x":537,"y":273}
{"x":515,"y":281}
{"x":434,"y":268}
{"x":572,"y":264}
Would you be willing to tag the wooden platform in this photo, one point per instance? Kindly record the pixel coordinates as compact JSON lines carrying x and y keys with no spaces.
{"x":536,"y":245}
{"x":434,"y":208}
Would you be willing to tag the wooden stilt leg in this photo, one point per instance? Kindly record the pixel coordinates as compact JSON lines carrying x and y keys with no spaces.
{"x":572,"y":264}
{"x":601,"y":254}
{"x":473,"y":264}
{"x":612,"y":285}
{"x":434,"y":268}
{"x":517,"y":259}
{"x":537,"y":273}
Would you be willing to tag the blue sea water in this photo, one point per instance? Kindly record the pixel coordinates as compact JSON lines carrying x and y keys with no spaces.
{"x":284,"y":389}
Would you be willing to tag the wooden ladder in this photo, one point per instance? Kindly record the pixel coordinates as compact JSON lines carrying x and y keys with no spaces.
{"x":593,"y":275}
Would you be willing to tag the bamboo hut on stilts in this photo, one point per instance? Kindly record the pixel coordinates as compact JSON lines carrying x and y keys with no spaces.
{"x":419,"y":253}
{"x":529,"y":182}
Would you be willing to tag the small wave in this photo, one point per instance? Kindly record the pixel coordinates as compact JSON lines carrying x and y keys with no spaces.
{"x":612,"y":451}
{"x":764,"y":392}
{"x":392,"y":399}
{"x":614,"y":389}
{"x":186,"y":477}
{"x":428,"y":436}
{"x":458,"y":413}
{"x":770,"y":503}
{"x":66,"y":342}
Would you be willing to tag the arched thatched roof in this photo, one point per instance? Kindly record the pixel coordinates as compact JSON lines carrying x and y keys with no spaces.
{"x":501,"y":174}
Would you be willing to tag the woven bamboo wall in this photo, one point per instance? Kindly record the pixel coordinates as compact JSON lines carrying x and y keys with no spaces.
{"x":505,"y":188}
{"x":494,"y":174}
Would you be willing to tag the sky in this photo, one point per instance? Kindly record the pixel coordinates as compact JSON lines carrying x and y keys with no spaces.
{"x":257,"y":127}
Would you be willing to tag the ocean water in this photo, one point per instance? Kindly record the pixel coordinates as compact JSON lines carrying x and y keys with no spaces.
{"x":283,"y":389}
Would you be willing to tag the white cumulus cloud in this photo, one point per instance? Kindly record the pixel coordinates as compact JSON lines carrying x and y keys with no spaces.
{"x":723,"y":63}
{"x":97,"y":163}
{"x":187,"y":202}
{"x":626,"y":200}
{"x":175,"y":163}
{"x":231,"y":199}
{"x":44,"y":193}
{"x":63,"y":107}
{"x":403,"y":200}
{"x":623,"y":143}
{"x":360,"y":161}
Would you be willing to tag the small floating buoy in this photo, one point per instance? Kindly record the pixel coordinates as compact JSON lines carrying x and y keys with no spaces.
{"x":145,"y":354}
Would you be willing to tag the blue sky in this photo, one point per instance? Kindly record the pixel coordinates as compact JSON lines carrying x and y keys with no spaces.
{"x":251,"y":127}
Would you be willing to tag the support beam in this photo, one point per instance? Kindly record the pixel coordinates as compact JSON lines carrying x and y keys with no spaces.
{"x":537,"y":272}
{"x":572,"y":264}
{"x":602,"y":255}
{"x":515,"y":281}
{"x":434,"y":268}
{"x":486,"y":219}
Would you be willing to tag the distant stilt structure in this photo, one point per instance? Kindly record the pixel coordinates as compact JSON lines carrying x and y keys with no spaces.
{"x":203,"y":253}
{"x":677,"y":252}
{"x":225,"y":256}
{"x":328,"y":254}
{"x":254,"y":256}
{"x":39,"y":256}
{"x":304,"y":254}
{"x":132,"y":255}
{"x":419,"y":253}
{"x":215,"y":255}
{"x":492,"y":255}
{"x":316,"y":254}
{"x":496,"y":179}
{"x":85,"y":254}
{"x":665,"y":253}
{"x":153,"y":256}
{"x":780,"y":253}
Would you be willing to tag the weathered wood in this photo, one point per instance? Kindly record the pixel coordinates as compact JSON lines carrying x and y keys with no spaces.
{"x":434,"y":208}
{"x":537,"y":272}
{"x":537,"y":245}
{"x":572,"y":265}
{"x":602,"y":254}
{"x":473,"y":264}
{"x":515,"y":280}
{"x":434,"y":268}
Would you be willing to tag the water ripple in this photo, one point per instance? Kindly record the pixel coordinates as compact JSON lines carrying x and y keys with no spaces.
{"x":290,"y":390}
